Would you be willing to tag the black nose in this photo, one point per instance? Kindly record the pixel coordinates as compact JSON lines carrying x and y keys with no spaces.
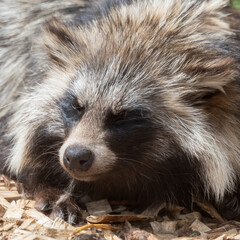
{"x":78,"y":158}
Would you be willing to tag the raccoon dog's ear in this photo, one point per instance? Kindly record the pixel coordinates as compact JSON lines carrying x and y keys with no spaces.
{"x":208,"y":76}
{"x":215,"y":74}
{"x":61,"y":43}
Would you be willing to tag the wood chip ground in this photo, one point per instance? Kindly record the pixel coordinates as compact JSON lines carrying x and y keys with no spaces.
{"x":103,"y":220}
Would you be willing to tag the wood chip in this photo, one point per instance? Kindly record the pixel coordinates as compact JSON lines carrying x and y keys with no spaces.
{"x":154,"y":209}
{"x":164,"y":236}
{"x":231,"y":233}
{"x":59,"y":223}
{"x":6,"y":182}
{"x":190,"y":216}
{"x":2,"y":211}
{"x":46,"y":222}
{"x":222,"y":229}
{"x":222,"y":237}
{"x":169,"y":226}
{"x":13,"y":212}
{"x":199,"y":226}
{"x":119,"y":209}
{"x":207,"y":207}
{"x":24,"y":204}
{"x":38,"y":237}
{"x":26,"y":224}
{"x":33,"y":213}
{"x":190,"y":238}
{"x":137,"y":234}
{"x":103,"y":226}
{"x":226,"y":235}
{"x":101,"y":207}
{"x":160,"y":237}
{"x":156,"y":227}
{"x":10,"y":195}
{"x":108,"y":235}
{"x":27,"y":235}
{"x":164,"y":227}
{"x":4,"y":203}
{"x":19,"y":231}
{"x":236,"y":237}
{"x":7,"y":227}
{"x":117,"y":218}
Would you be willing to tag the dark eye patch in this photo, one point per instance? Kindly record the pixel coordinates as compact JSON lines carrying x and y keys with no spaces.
{"x":116,"y":118}
{"x":125,"y":117}
{"x":71,"y":111}
{"x":128,"y":131}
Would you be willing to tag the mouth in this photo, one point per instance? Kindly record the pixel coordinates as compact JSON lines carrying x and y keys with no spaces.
{"x":86,"y":178}
{"x":81,"y":176}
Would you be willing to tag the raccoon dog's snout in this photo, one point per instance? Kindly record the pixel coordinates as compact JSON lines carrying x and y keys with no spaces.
{"x":78,"y":158}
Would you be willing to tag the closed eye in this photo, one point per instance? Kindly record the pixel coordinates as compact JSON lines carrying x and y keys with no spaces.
{"x":71,"y":110}
{"x":119,"y":117}
{"x":75,"y":105}
{"x":125,"y":116}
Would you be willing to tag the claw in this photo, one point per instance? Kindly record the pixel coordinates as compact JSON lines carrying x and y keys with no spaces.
{"x":43,"y":205}
{"x":56,"y":204}
{"x":73,"y":219}
{"x":57,"y":212}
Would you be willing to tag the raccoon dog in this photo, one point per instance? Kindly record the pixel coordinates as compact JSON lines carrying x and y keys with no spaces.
{"x":125,"y":100}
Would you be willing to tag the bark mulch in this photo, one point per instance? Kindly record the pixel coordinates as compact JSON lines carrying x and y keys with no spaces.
{"x":102,"y":220}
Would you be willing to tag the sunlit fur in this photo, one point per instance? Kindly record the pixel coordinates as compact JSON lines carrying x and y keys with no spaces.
{"x":175,"y":60}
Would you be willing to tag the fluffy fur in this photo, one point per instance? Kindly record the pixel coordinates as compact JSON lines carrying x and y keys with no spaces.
{"x":150,"y":87}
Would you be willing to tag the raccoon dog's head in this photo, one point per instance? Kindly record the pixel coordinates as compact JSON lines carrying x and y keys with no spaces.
{"x":108,"y":126}
{"x":128,"y":90}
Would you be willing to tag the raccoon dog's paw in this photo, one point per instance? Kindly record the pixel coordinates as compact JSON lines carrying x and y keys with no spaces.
{"x":55,"y":203}
{"x":45,"y":199}
{"x":67,"y":209}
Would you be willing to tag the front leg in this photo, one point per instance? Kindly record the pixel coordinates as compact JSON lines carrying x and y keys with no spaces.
{"x":53,"y":198}
{"x":55,"y":203}
{"x":67,"y":208}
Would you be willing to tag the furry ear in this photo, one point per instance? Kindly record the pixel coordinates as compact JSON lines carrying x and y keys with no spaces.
{"x":60,"y":42}
{"x":208,"y":75}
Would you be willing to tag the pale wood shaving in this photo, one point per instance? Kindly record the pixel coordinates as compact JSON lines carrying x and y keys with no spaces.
{"x":101,"y":207}
{"x":7,"y":227}
{"x":164,"y":227}
{"x":199,"y":226}
{"x":4,"y":203}
{"x":14,"y":212}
